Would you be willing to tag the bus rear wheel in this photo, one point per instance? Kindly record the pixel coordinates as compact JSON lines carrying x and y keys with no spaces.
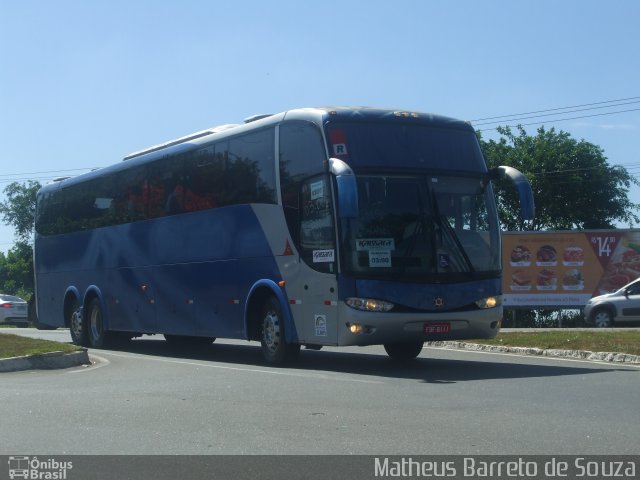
{"x":95,"y":324}
{"x":403,"y":351}
{"x":77,"y":325}
{"x":275,"y":348}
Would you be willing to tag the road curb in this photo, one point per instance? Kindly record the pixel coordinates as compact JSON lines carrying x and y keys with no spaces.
{"x":610,"y":357}
{"x":45,"y":361}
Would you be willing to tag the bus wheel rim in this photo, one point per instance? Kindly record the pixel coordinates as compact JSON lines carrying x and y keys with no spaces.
{"x":76,"y":323}
{"x":271,"y":331}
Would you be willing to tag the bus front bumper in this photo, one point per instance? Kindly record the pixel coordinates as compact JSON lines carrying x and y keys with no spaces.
{"x":369,"y":328}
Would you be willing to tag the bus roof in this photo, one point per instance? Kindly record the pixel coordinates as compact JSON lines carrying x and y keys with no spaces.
{"x":317,"y":115}
{"x":186,"y":138}
{"x":382,"y":114}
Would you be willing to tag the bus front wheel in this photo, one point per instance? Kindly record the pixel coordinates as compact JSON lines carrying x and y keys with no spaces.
{"x":403,"y":351}
{"x":275,"y":348}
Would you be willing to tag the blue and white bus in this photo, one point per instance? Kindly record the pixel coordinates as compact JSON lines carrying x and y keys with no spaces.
{"x":312,"y":227}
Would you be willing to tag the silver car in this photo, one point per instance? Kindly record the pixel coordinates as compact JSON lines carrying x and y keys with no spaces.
{"x":620,"y":306}
{"x":13,"y":310}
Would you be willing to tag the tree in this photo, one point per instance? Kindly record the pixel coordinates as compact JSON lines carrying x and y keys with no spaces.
{"x":16,"y":267}
{"x":16,"y":271}
{"x":19,"y":209}
{"x":573,"y":185}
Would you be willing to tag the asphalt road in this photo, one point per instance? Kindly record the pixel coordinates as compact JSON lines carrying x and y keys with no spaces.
{"x":222,"y":399}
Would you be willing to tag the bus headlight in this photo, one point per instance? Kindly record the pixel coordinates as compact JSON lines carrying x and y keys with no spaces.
{"x":369,"y":304}
{"x":489,"y":302}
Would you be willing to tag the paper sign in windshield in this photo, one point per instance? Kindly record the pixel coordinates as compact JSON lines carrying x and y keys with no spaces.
{"x":365,"y":244}
{"x":379,"y":258}
{"x":317,"y":190}
{"x":323,"y":256}
{"x":378,"y":249}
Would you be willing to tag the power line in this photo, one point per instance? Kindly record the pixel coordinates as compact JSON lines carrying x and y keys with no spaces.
{"x":626,"y":166}
{"x":555,"y":109}
{"x":47,"y":171}
{"x":561,"y":119}
{"x":41,"y":177}
{"x":564,"y":112}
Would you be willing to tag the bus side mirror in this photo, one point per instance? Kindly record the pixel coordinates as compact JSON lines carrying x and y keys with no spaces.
{"x":347,"y":188}
{"x":527,"y":205}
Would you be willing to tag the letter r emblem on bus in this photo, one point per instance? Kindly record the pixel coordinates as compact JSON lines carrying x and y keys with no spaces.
{"x":339,"y":149}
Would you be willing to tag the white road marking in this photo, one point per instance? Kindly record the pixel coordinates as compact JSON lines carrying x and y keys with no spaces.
{"x":247,"y":370}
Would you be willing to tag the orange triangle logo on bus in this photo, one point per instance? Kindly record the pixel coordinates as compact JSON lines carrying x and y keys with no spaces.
{"x":287,"y":250}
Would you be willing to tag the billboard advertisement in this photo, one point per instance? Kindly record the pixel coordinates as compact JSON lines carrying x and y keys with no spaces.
{"x":565,"y":269}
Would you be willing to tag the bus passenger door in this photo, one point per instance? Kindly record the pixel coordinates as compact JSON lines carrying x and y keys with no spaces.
{"x":318,"y":252}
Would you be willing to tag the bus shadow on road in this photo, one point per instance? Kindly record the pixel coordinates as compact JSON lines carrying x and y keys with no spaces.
{"x":433,"y":366}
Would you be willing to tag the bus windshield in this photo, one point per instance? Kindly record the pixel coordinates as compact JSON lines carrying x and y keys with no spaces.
{"x":422,"y":226}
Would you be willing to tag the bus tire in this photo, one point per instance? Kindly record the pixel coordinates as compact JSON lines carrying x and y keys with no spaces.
{"x":403,"y":351}
{"x":77,"y":325}
{"x":95,"y":325}
{"x":275,"y":348}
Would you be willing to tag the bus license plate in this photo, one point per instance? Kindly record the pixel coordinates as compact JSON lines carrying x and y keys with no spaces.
{"x":437,"y":328}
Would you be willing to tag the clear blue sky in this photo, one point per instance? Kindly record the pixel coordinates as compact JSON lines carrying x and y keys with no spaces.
{"x":83,"y":83}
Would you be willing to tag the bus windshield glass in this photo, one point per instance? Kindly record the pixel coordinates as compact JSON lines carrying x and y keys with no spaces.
{"x":422,"y":226}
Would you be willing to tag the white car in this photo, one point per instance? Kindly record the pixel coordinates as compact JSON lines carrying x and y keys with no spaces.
{"x":13,"y":310}
{"x":618,"y":307}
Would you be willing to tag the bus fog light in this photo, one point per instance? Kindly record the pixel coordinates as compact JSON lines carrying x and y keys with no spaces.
{"x":355,"y":328}
{"x":369,"y":304}
{"x":489,"y":302}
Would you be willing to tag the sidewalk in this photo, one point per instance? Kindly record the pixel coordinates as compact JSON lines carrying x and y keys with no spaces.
{"x":45,"y":361}
{"x":608,"y":357}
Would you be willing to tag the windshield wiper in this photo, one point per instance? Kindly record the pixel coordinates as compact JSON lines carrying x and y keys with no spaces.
{"x":446,"y":227}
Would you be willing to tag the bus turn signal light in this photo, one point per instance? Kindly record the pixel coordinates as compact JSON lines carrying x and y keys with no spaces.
{"x":489,"y":302}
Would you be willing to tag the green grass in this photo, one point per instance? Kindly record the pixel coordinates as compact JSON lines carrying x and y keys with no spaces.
{"x":610,"y":340}
{"x":17,"y":346}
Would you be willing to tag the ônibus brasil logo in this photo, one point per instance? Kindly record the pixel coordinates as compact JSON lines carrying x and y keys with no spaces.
{"x":38,"y":469}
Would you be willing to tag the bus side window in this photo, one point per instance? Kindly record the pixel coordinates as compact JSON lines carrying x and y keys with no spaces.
{"x":251,"y":168}
{"x":159,"y":185}
{"x":153,"y":191}
{"x":199,"y":186}
{"x":130,"y":206}
{"x":302,"y":153}
{"x":50,"y":213}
